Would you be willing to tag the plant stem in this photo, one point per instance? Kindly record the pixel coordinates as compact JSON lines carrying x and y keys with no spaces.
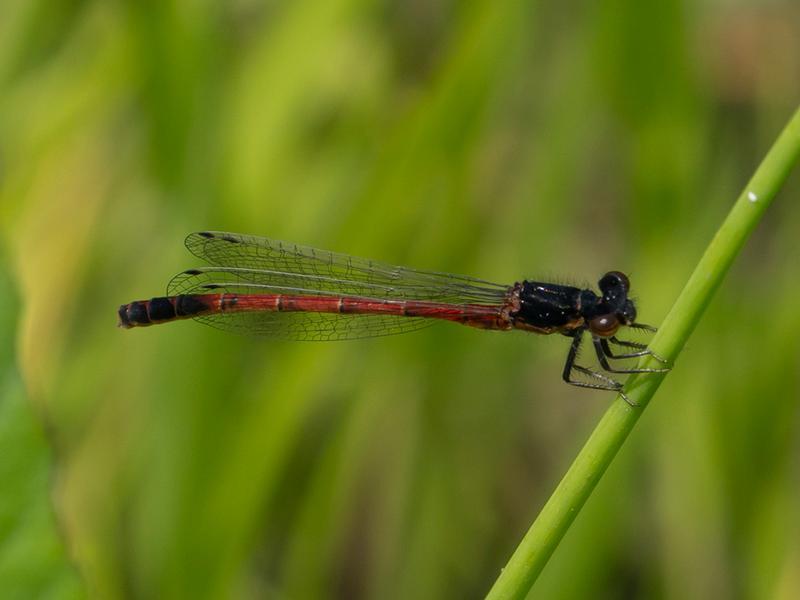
{"x":549,"y":528}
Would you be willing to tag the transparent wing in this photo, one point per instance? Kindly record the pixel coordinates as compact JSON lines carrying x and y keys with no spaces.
{"x":315,"y":327}
{"x":271,"y":262}
{"x":307,"y":326}
{"x":259,"y":281}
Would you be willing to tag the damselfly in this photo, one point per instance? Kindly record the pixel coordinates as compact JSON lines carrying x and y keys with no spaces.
{"x":266,"y":287}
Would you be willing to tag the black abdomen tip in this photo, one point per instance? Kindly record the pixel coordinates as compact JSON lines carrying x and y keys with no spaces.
{"x":122,"y":315}
{"x":133,"y":315}
{"x":160,"y":310}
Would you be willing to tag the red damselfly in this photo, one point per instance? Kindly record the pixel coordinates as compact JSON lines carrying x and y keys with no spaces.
{"x":265,"y":287}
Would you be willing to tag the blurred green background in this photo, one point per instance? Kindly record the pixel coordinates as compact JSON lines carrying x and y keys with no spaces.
{"x":499,"y":139}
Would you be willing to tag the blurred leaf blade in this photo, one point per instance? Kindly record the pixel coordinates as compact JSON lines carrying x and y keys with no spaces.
{"x":34,"y":561}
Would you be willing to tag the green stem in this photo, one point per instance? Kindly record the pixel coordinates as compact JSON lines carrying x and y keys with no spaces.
{"x":543,"y":537}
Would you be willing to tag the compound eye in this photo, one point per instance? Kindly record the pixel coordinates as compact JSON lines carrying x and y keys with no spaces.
{"x":615,"y":280}
{"x":604,"y":325}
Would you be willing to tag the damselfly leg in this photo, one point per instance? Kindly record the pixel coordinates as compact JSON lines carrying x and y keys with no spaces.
{"x":604,"y":352}
{"x":570,"y":366}
{"x":640,"y":349}
{"x":602,"y":358}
